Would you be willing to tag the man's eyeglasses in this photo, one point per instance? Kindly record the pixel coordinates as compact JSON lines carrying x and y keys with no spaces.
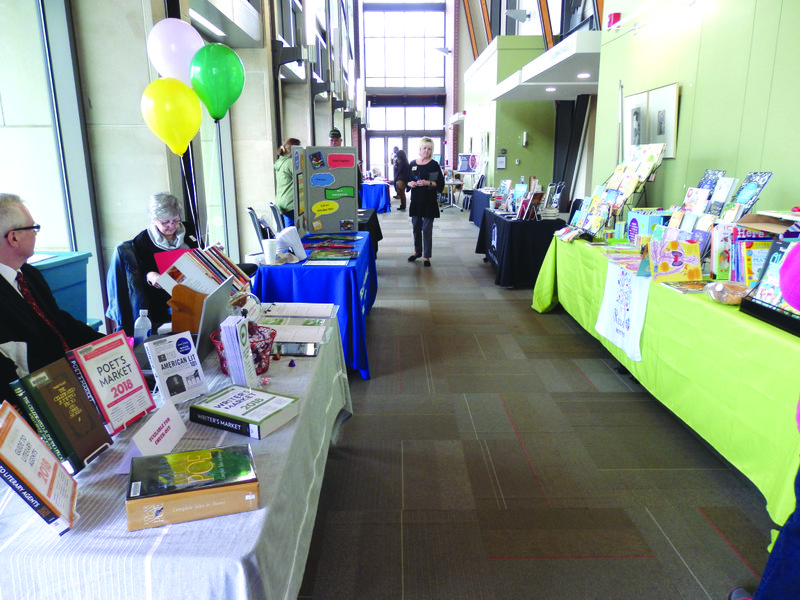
{"x":35,"y":227}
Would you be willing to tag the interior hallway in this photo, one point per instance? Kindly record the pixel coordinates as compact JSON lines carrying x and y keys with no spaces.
{"x":496,"y":453}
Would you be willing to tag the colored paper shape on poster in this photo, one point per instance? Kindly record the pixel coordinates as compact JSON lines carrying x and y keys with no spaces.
{"x":321,"y":179}
{"x":342,"y":192}
{"x":317,"y":160}
{"x":338,"y":161}
{"x":326,"y":207}
{"x":790,"y":277}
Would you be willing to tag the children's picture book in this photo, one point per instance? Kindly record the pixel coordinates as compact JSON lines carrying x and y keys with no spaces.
{"x":176,"y":367}
{"x":710,"y":179}
{"x":63,"y":411}
{"x":767,"y":290}
{"x":752,"y":186}
{"x":115,"y":380}
{"x":186,"y":486}
{"x":686,"y":287}
{"x":674,"y":261}
{"x":695,"y":201}
{"x":722,"y":194}
{"x":34,"y":473}
{"x":248,"y":411}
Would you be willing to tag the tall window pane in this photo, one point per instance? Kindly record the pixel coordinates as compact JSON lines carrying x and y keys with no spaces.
{"x":395,"y":118}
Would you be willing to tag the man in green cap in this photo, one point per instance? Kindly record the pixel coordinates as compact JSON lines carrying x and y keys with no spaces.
{"x":335,"y":137}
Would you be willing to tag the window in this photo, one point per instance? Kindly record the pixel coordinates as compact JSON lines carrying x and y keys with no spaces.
{"x":401,"y":45}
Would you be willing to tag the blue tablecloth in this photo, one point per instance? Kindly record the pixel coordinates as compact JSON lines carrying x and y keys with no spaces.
{"x":352,"y":287}
{"x":376,"y":195}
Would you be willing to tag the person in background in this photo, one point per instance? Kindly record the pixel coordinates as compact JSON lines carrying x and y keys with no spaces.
{"x":284,"y":185}
{"x":335,"y":137}
{"x":426,"y":182}
{"x":34,"y":331}
{"x":166,"y":232}
{"x":401,"y":176}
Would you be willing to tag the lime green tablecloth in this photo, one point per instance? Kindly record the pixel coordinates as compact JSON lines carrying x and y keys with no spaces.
{"x":727,"y":375}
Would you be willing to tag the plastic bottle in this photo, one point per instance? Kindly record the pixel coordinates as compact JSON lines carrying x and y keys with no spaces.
{"x":141,"y":328}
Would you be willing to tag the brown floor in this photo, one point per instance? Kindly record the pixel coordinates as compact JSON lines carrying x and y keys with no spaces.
{"x":496,"y":453}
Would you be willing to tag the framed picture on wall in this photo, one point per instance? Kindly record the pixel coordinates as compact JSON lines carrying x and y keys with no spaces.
{"x":634,"y":123}
{"x":662,"y":117}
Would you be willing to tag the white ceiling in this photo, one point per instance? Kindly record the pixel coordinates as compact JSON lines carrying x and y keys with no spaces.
{"x":557,"y":68}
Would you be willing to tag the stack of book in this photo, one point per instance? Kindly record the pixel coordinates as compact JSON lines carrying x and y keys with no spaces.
{"x":202,"y":271}
{"x":236,"y":343}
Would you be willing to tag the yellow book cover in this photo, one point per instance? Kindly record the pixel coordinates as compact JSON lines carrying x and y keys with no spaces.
{"x":675,"y":260}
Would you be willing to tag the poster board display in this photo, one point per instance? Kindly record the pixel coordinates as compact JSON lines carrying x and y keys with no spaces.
{"x":326,"y":189}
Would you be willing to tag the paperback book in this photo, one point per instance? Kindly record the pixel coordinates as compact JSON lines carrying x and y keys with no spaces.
{"x":29,"y":468}
{"x":64,"y":414}
{"x":115,"y":380}
{"x":247,"y":411}
{"x":752,"y":186}
{"x":176,"y":367}
{"x":186,"y":486}
{"x":332,"y":254}
{"x":236,"y":343}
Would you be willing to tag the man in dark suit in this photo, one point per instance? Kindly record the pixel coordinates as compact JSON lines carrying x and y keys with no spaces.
{"x":34,"y":331}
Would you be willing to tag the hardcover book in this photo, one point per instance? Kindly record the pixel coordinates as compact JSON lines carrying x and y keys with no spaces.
{"x":247,"y":411}
{"x":176,"y":367}
{"x":66,"y":411}
{"x":30,"y":469}
{"x":115,"y":380}
{"x":186,"y":486}
{"x":674,"y":261}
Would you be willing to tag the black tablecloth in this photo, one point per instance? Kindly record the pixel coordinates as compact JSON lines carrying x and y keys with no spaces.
{"x":514,"y":248}
{"x":480,"y":200}
{"x":368,"y":221}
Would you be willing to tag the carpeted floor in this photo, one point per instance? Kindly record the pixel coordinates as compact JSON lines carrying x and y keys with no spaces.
{"x":497,"y":453}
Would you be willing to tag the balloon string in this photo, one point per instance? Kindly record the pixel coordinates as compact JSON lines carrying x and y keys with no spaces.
{"x":223,"y":199}
{"x":191,"y":195}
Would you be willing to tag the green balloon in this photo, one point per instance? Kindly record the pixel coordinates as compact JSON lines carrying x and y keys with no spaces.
{"x":217,"y":76}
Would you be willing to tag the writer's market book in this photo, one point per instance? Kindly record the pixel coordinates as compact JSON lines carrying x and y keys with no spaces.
{"x":248,"y":411}
{"x":63,"y":411}
{"x":115,"y":379}
{"x":30,"y":469}
{"x":176,"y":367}
{"x":235,"y":336}
{"x":186,"y":486}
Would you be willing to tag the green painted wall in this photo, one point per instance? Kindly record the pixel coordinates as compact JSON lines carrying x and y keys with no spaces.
{"x":737,"y":67}
{"x":501,"y":124}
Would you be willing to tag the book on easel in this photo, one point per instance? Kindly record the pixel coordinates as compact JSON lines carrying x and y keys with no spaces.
{"x":64,"y":412}
{"x":30,"y":469}
{"x":176,"y":367}
{"x":115,"y":379}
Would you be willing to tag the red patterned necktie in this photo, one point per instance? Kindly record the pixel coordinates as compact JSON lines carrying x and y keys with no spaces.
{"x":26,"y":293}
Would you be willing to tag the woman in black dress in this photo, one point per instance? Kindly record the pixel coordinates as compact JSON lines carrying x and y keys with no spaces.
{"x":426,"y":182}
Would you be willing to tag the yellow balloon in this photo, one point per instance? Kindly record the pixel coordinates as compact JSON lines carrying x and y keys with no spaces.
{"x":172,"y":111}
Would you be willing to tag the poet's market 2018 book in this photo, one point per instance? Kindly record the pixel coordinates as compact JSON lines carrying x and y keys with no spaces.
{"x":186,"y":486}
{"x":115,"y":379}
{"x":31,"y":469}
{"x":248,"y":411}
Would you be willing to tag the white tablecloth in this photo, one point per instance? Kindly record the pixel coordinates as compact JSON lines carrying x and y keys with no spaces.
{"x":253,"y":555}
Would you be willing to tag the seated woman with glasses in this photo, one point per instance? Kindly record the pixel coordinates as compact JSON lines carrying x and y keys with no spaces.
{"x":166,"y":232}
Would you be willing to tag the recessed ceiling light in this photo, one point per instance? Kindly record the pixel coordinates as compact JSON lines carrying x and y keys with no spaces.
{"x":584,"y":75}
{"x":550,"y":89}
